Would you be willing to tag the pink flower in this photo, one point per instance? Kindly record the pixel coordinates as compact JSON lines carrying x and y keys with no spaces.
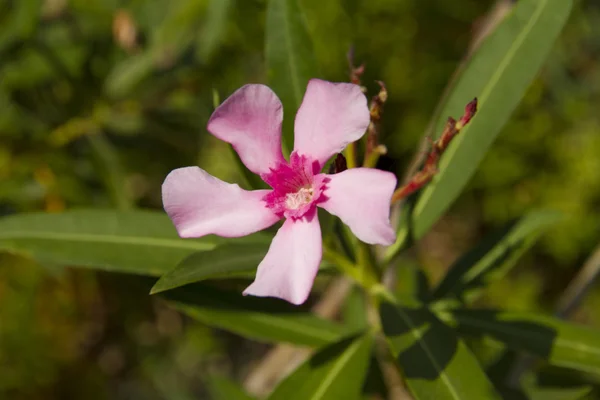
{"x":331,"y":116}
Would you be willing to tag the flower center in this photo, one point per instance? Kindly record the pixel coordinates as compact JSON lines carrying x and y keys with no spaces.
{"x":296,"y":186}
{"x":294,"y":201}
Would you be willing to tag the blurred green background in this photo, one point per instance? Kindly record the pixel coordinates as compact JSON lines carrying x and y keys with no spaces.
{"x":100,"y":99}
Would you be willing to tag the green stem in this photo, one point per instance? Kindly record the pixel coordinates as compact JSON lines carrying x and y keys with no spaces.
{"x":350,"y":154}
{"x":343,"y":263}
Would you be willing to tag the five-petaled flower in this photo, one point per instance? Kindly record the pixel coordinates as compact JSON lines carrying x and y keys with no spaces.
{"x":331,"y":116}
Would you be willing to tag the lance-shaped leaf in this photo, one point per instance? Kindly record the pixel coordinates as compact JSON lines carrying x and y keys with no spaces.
{"x":290,"y":59}
{"x":436,"y":364}
{"x":494,"y":256}
{"x":263,"y":319}
{"x":214,"y":30}
{"x":137,"y":242}
{"x":335,"y":372}
{"x":230,"y":260}
{"x":559,"y":343}
{"x":535,"y":393}
{"x":227,"y":260}
{"x":498,"y":74}
{"x":221,"y":388}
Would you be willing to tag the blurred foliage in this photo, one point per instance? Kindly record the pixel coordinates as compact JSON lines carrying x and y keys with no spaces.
{"x":100,"y":99}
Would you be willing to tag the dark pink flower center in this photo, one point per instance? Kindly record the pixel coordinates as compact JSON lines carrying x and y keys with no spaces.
{"x":297,"y":186}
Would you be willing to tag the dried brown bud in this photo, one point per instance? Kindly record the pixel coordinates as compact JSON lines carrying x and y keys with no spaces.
{"x":125,"y":30}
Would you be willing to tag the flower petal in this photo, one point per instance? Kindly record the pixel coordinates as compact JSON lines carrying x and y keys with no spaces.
{"x":200,"y":204}
{"x":250,"y":119}
{"x":361,"y":197}
{"x":292,"y":262}
{"x":331,"y":116}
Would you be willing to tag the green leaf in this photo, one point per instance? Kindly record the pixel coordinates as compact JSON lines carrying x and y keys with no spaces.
{"x":498,"y":74}
{"x":290,"y":59}
{"x":578,"y":393}
{"x":128,"y":74}
{"x":110,"y":169}
{"x":263,"y":319}
{"x":494,"y":256}
{"x":213,"y":31}
{"x":221,"y":388}
{"x":335,"y":372}
{"x":560,"y":343}
{"x":137,"y":242}
{"x":226,"y":261}
{"x":435,"y":363}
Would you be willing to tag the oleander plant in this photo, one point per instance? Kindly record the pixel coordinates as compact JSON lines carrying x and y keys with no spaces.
{"x":227,"y":199}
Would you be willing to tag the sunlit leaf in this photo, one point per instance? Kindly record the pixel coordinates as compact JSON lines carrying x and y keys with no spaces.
{"x":263,"y":319}
{"x":498,"y":75}
{"x":494,"y":256}
{"x":335,"y":372}
{"x":559,"y":343}
{"x":290,"y":58}
{"x":137,"y":242}
{"x":436,"y":364}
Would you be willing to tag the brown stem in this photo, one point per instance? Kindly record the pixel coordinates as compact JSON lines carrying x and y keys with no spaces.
{"x":430,"y":167}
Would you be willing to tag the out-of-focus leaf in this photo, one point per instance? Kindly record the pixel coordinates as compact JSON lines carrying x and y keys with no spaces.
{"x":21,"y":23}
{"x":111,"y":171}
{"x":137,"y":242}
{"x":226,"y":261}
{"x":533,"y":392}
{"x":355,"y":310}
{"x":494,"y":256}
{"x":436,"y":364}
{"x":214,"y":28}
{"x":559,"y":343}
{"x":225,"y":389}
{"x":498,"y":74}
{"x":128,"y":74}
{"x":263,"y":319}
{"x":335,"y":372}
{"x":290,"y":59}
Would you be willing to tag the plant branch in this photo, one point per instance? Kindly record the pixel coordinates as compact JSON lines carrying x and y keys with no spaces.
{"x":438,"y":148}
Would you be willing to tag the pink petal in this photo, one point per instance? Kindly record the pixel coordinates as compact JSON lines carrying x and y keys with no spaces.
{"x":292,"y":262}
{"x":331,"y":116}
{"x":250,"y":119}
{"x":361,"y":197}
{"x":200,"y":204}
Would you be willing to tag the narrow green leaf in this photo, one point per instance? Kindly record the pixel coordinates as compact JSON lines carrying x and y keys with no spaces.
{"x":436,"y":364}
{"x":290,"y":59}
{"x":498,"y":75}
{"x":226,"y":261}
{"x":494,"y":256}
{"x":128,"y":74}
{"x":354,"y":312}
{"x":335,"y":372}
{"x":111,"y":171}
{"x":137,"y":242}
{"x":215,"y":24}
{"x":559,"y":343}
{"x":263,"y":319}
{"x":225,"y":389}
{"x":534,"y":393}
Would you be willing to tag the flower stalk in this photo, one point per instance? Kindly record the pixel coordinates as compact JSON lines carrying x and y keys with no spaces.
{"x":373,"y":150}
